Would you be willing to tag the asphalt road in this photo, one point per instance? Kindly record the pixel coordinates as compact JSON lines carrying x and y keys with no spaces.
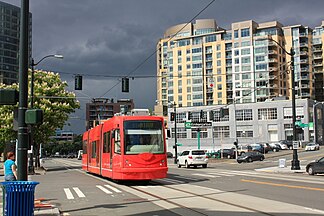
{"x":224,"y":188}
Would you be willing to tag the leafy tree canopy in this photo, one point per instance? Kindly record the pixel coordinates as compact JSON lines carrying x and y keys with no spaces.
{"x":51,"y":96}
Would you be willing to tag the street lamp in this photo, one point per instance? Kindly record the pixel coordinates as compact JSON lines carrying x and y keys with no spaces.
{"x":295,"y":165}
{"x":175,"y":131}
{"x":33,"y":64}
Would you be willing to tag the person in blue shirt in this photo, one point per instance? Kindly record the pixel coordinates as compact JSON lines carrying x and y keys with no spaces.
{"x":10,"y":168}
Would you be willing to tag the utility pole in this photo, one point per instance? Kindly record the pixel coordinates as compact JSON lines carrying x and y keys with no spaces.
{"x":175,"y":133}
{"x":295,"y":162}
{"x":23,"y":91}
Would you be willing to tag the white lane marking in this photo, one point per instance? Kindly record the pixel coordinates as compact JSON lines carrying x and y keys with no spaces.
{"x":221,"y":174}
{"x":103,"y":189}
{"x":315,"y":210}
{"x":144,"y":187}
{"x":68,"y":193}
{"x":112,"y":188}
{"x":205,"y":175}
{"x":171,"y":181}
{"x":78,"y":192}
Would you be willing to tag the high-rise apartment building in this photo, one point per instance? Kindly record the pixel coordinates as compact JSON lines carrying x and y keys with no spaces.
{"x":9,"y":42}
{"x":204,"y":64}
{"x":317,"y":48}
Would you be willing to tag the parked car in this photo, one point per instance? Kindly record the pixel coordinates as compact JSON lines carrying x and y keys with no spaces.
{"x":258,"y":147}
{"x":286,"y":142}
{"x":71,"y":155}
{"x":275,"y":147}
{"x":267,"y":147}
{"x":312,"y":147}
{"x":243,"y":149}
{"x":282,"y":145}
{"x":193,"y":158}
{"x":250,"y":157}
{"x":169,"y":155}
{"x":315,"y":167}
{"x":227,"y":153}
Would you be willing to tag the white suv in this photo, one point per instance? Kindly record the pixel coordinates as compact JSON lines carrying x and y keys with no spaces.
{"x":193,"y":158}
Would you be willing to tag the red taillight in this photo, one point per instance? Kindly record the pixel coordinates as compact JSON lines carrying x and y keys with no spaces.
{"x":206,"y":156}
{"x":190,"y":157}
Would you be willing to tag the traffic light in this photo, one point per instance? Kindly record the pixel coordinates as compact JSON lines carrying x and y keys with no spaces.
{"x":202,"y":114}
{"x":9,"y":96}
{"x":189,"y":115}
{"x":299,"y":130}
{"x":236,"y":144}
{"x":34,"y":116}
{"x":125,"y":84}
{"x":165,"y":110}
{"x":78,"y":82}
{"x":172,"y":116}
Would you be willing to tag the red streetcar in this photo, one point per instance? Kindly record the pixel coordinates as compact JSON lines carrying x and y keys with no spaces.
{"x":126,"y":148}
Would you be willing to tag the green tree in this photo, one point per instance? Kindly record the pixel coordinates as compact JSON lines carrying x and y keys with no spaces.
{"x":51,"y":96}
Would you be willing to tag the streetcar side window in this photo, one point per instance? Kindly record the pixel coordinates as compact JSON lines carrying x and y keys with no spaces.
{"x":94,"y":149}
{"x":117,"y":141}
{"x":107,"y":143}
{"x":84,"y":146}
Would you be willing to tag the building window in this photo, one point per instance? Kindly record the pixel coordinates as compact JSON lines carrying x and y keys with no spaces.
{"x":245,"y":51}
{"x":244,"y":133}
{"x":203,"y":133}
{"x":245,"y":32}
{"x":217,"y":117}
{"x":236,"y":34}
{"x":243,"y":115}
{"x":221,"y":132}
{"x":181,"y":133}
{"x":268,"y":113}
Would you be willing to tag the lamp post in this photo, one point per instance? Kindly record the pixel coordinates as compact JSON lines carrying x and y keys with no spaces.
{"x":295,"y":165}
{"x":175,"y":132}
{"x":33,"y":64}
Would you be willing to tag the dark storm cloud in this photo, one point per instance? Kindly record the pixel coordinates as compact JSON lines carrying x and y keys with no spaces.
{"x":109,"y":37}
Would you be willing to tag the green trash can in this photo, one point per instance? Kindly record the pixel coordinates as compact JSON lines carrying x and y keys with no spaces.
{"x":18,"y":198}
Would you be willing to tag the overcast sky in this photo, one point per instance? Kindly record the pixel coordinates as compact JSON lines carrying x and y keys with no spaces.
{"x":112,"y":37}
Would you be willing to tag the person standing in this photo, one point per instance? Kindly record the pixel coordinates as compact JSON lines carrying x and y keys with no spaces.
{"x":10,"y":168}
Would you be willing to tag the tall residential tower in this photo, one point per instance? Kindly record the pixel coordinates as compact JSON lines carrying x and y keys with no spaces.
{"x":204,"y":64}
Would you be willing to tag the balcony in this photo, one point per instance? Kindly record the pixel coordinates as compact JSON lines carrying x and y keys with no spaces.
{"x":303,"y":35}
{"x":318,"y":64}
{"x":229,"y":81}
{"x":305,"y":77}
{"x":228,"y":64}
{"x":272,"y":77}
{"x":317,"y":49}
{"x":302,"y":53}
{"x":273,"y":85}
{"x":209,"y":90}
{"x":318,"y":56}
{"x":305,"y":94}
{"x":304,"y":69}
{"x":273,"y":60}
{"x":229,"y":57}
{"x":303,"y":61}
{"x":271,"y":43}
{"x":303,"y":44}
{"x":272,"y":52}
{"x":273,"y":68}
{"x":305,"y":86}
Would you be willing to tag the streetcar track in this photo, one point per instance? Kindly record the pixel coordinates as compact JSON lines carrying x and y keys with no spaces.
{"x":198,"y":195}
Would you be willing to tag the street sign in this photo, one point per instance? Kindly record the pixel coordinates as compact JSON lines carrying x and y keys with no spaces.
{"x":201,"y":124}
{"x":179,"y":144}
{"x":295,"y":144}
{"x":188,"y":125}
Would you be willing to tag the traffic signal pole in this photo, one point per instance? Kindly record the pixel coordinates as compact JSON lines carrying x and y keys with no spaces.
{"x":23,"y":92}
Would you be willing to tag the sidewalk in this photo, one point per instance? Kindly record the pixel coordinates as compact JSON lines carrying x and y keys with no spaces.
{"x":286,"y":169}
{"x":42,"y":208}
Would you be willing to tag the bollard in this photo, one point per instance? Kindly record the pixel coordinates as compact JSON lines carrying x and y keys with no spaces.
{"x":18,"y":198}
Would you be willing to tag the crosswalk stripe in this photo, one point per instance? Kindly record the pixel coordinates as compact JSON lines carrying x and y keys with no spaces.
{"x":78,"y":192}
{"x":205,"y":175}
{"x":112,"y":188}
{"x":68,"y":193}
{"x":103,"y":189}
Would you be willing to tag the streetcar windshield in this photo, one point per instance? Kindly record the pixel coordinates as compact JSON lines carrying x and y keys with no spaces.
{"x":143,"y":136}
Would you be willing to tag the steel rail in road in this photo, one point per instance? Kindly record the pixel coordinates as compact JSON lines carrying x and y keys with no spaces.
{"x":197,"y":195}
